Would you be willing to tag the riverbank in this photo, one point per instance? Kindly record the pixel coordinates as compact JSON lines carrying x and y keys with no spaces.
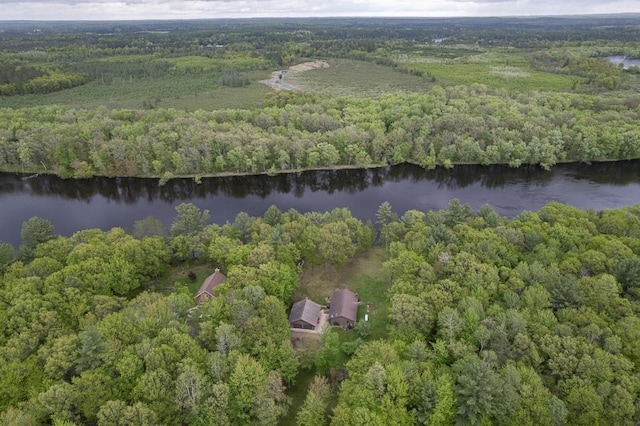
{"x":197,"y":178}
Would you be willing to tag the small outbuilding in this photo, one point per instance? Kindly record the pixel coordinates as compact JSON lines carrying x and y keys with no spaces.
{"x":305,"y":314}
{"x":210,"y":283}
{"x":343,"y":308}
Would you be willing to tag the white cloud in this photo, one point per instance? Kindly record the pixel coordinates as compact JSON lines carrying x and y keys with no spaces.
{"x":190,"y":9}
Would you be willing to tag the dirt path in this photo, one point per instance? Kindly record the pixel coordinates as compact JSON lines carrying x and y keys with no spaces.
{"x":278,"y":78}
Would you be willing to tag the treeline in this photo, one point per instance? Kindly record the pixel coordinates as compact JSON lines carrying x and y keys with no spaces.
{"x":85,"y":340}
{"x":22,"y":80}
{"x":598,"y":71}
{"x":493,"y":321}
{"x":297,"y":131}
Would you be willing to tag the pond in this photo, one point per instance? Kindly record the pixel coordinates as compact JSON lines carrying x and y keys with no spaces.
{"x":626,"y":62}
{"x":72,"y":205}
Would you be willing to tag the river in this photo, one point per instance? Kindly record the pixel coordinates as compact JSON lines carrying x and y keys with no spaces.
{"x":72,"y":205}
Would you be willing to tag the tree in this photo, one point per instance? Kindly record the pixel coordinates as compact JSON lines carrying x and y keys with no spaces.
{"x":242,"y":225}
{"x":92,"y":389}
{"x":327,"y":356}
{"x":139,"y":415}
{"x":190,"y":389}
{"x":7,"y":255}
{"x":92,"y":349}
{"x":149,"y":227}
{"x":476,"y":390}
{"x":384,"y":216}
{"x":313,"y":410}
{"x":58,"y":402}
{"x":189,"y":220}
{"x":245,"y":383}
{"x":34,"y":231}
{"x":584,"y":406}
{"x":227,"y":338}
{"x":272,"y":216}
{"x":111,"y":413}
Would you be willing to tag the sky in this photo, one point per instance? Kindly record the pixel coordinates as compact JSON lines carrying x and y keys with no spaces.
{"x":211,"y":9}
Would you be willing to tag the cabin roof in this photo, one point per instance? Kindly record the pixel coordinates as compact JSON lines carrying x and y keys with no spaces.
{"x":305,"y":310}
{"x":211,"y":282}
{"x":344,"y":303}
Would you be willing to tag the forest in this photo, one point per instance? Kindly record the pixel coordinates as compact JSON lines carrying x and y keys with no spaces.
{"x":164,"y":99}
{"x":479,"y":319}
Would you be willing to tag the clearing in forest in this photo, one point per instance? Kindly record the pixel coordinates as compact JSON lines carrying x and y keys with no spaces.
{"x":346,"y":77}
{"x":364,"y":274}
{"x":279,"y":80}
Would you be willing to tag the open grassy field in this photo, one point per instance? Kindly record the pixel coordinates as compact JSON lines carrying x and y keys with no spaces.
{"x":346,"y":77}
{"x":181,"y":91}
{"x":510,"y":72}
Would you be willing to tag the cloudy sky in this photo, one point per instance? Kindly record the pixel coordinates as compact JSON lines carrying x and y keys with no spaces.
{"x":178,"y":9}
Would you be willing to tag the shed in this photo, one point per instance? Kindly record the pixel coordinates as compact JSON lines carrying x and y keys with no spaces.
{"x":206,"y":289}
{"x":343,"y":308}
{"x":305,"y":314}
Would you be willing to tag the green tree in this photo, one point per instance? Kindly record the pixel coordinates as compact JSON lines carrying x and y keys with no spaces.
{"x":245,"y":383}
{"x":191,"y":389}
{"x":92,"y":349}
{"x":314,"y":408}
{"x":7,"y":255}
{"x":34,"y":231}
{"x":189,"y":220}
{"x":477,"y":389}
{"x":328,"y":354}
{"x":149,"y":227}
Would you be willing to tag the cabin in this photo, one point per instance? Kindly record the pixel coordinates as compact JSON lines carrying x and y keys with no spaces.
{"x":210,"y":283}
{"x":305,"y":314}
{"x":343,"y":309}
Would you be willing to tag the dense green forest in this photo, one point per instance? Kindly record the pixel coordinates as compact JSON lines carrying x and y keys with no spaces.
{"x":475,"y":318}
{"x":165,"y":99}
{"x":484,"y":320}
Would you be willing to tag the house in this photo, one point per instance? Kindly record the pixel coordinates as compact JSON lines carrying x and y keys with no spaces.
{"x":305,"y":314}
{"x":343,"y":308}
{"x":206,"y":289}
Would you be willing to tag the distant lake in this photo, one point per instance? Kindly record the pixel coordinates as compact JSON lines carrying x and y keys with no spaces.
{"x":72,"y":205}
{"x":626,"y":62}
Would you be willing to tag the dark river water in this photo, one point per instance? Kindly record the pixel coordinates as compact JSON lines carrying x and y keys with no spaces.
{"x":104,"y":203}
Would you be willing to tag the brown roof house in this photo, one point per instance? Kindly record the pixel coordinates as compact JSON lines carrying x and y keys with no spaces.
{"x":206,"y":289}
{"x":343,"y":308}
{"x":305,"y":314}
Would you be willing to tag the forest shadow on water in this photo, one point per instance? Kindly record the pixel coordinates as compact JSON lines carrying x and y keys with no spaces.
{"x":106,"y":202}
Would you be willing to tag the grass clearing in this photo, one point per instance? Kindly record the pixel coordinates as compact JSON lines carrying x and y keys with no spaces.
{"x":346,"y":77}
{"x":509,"y":75}
{"x":181,"y":91}
{"x":178,"y":275}
{"x":364,"y":275}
